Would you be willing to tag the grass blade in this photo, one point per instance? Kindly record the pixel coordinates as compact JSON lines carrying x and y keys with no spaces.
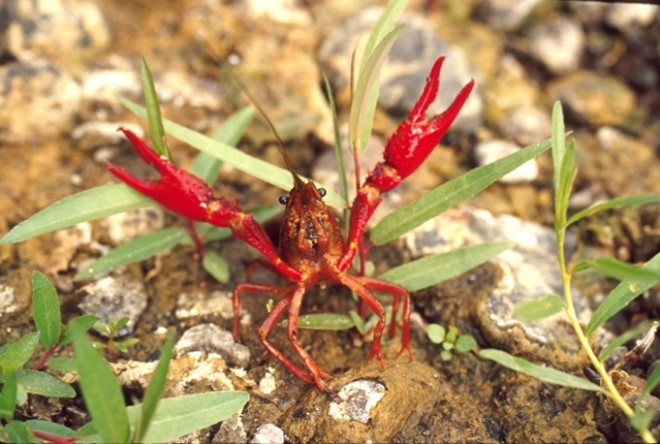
{"x":428,"y":271}
{"x":324,"y":321}
{"x":361,"y":115}
{"x":610,"y":204}
{"x":622,"y":270}
{"x":135,"y":250}
{"x":101,"y":391}
{"x":82,"y":323}
{"x":205,"y":166}
{"x":41,"y":383}
{"x":253,"y":166}
{"x":450,"y":194}
{"x":52,"y":428}
{"x":80,"y":207}
{"x":8,"y":396}
{"x":339,"y":154}
{"x":533,"y":310}
{"x":216,"y":266}
{"x":385,"y":24}
{"x":622,"y":295}
{"x":46,"y":308}
{"x":558,"y":136}
{"x":624,"y":337}
{"x":545,"y":374}
{"x":156,"y":130}
{"x":16,"y":354}
{"x":179,"y":416}
{"x":154,"y":390}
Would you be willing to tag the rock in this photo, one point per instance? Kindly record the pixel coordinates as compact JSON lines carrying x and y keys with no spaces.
{"x":629,"y":18}
{"x":598,"y":99}
{"x":128,"y":225}
{"x":97,"y":134}
{"x":488,"y":152}
{"x":530,"y":271}
{"x":280,"y":11}
{"x":358,"y":398}
{"x":558,"y":44}
{"x":114,"y":297}
{"x":7,"y":300}
{"x":100,"y":88}
{"x":55,"y":29}
{"x":408,"y":64}
{"x":268,"y":434}
{"x":231,"y":430}
{"x":37,"y":101}
{"x":209,"y":338}
{"x":527,"y":123}
{"x":201,"y":305}
{"x":506,"y":15}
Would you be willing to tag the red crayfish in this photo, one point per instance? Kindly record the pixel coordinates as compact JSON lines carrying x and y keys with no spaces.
{"x":312,"y":248}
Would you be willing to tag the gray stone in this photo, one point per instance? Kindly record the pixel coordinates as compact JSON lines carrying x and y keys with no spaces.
{"x":268,"y":434}
{"x":506,"y":15}
{"x":209,"y":338}
{"x":488,"y":152}
{"x":358,"y":398}
{"x":558,"y":44}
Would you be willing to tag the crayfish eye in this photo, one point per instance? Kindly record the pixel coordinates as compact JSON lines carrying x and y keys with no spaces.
{"x":283,"y":199}
{"x":322,"y":192}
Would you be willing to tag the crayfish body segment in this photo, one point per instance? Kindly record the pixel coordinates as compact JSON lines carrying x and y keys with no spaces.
{"x":312,"y":248}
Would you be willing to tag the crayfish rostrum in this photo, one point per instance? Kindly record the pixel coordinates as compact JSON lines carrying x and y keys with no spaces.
{"x":312,"y":247}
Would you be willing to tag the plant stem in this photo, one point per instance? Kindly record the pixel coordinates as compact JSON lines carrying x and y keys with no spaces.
{"x":610,"y":389}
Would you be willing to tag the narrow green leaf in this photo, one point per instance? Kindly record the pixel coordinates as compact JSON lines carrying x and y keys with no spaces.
{"x":624,"y":271}
{"x":558,"y":136}
{"x":52,"y":428}
{"x":80,"y":207}
{"x":567,"y":174}
{"x":205,"y":166}
{"x":465,"y":343}
{"x":624,"y":337}
{"x":253,"y":166}
{"x":179,"y":416}
{"x":610,"y":204}
{"x":324,"y":321}
{"x":83,"y":323}
{"x":101,"y":391}
{"x":41,"y":383}
{"x":360,"y":120}
{"x":545,"y":374}
{"x":358,"y":322}
{"x":62,"y":364}
{"x":622,"y":295}
{"x":450,"y":194}
{"x":383,"y":26}
{"x":339,"y":153}
{"x":154,"y":391}
{"x":135,"y":250}
{"x":532,"y":310}
{"x":216,"y":266}
{"x":18,"y":353}
{"x":8,"y":396}
{"x":652,"y":381}
{"x":431,"y":270}
{"x":156,"y":130}
{"x":46,"y":308}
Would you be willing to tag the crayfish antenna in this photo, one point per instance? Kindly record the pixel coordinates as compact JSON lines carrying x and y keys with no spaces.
{"x":297,"y":181}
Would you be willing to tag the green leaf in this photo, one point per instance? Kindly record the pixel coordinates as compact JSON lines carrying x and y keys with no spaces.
{"x":383,"y":26}
{"x":465,"y":343}
{"x":532,"y":310}
{"x":101,"y":391}
{"x":360,"y":120}
{"x":205,"y":166}
{"x":80,"y":207}
{"x":358,"y":322}
{"x":216,"y":266}
{"x":46,"y":308}
{"x":324,"y":321}
{"x":445,"y":355}
{"x":558,"y":137}
{"x":450,"y":194}
{"x":17,"y":431}
{"x":18,"y":353}
{"x":253,"y":166}
{"x":567,"y":174}
{"x":545,"y":374}
{"x":41,"y":383}
{"x":624,"y":271}
{"x":154,"y":391}
{"x":652,"y":381}
{"x":339,"y":153}
{"x":52,"y":428}
{"x":436,"y":333}
{"x":135,"y":250}
{"x":62,"y":364}
{"x":610,"y":204}
{"x":83,"y":323}
{"x":156,"y":130}
{"x":423,"y":273}
{"x":8,"y":396}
